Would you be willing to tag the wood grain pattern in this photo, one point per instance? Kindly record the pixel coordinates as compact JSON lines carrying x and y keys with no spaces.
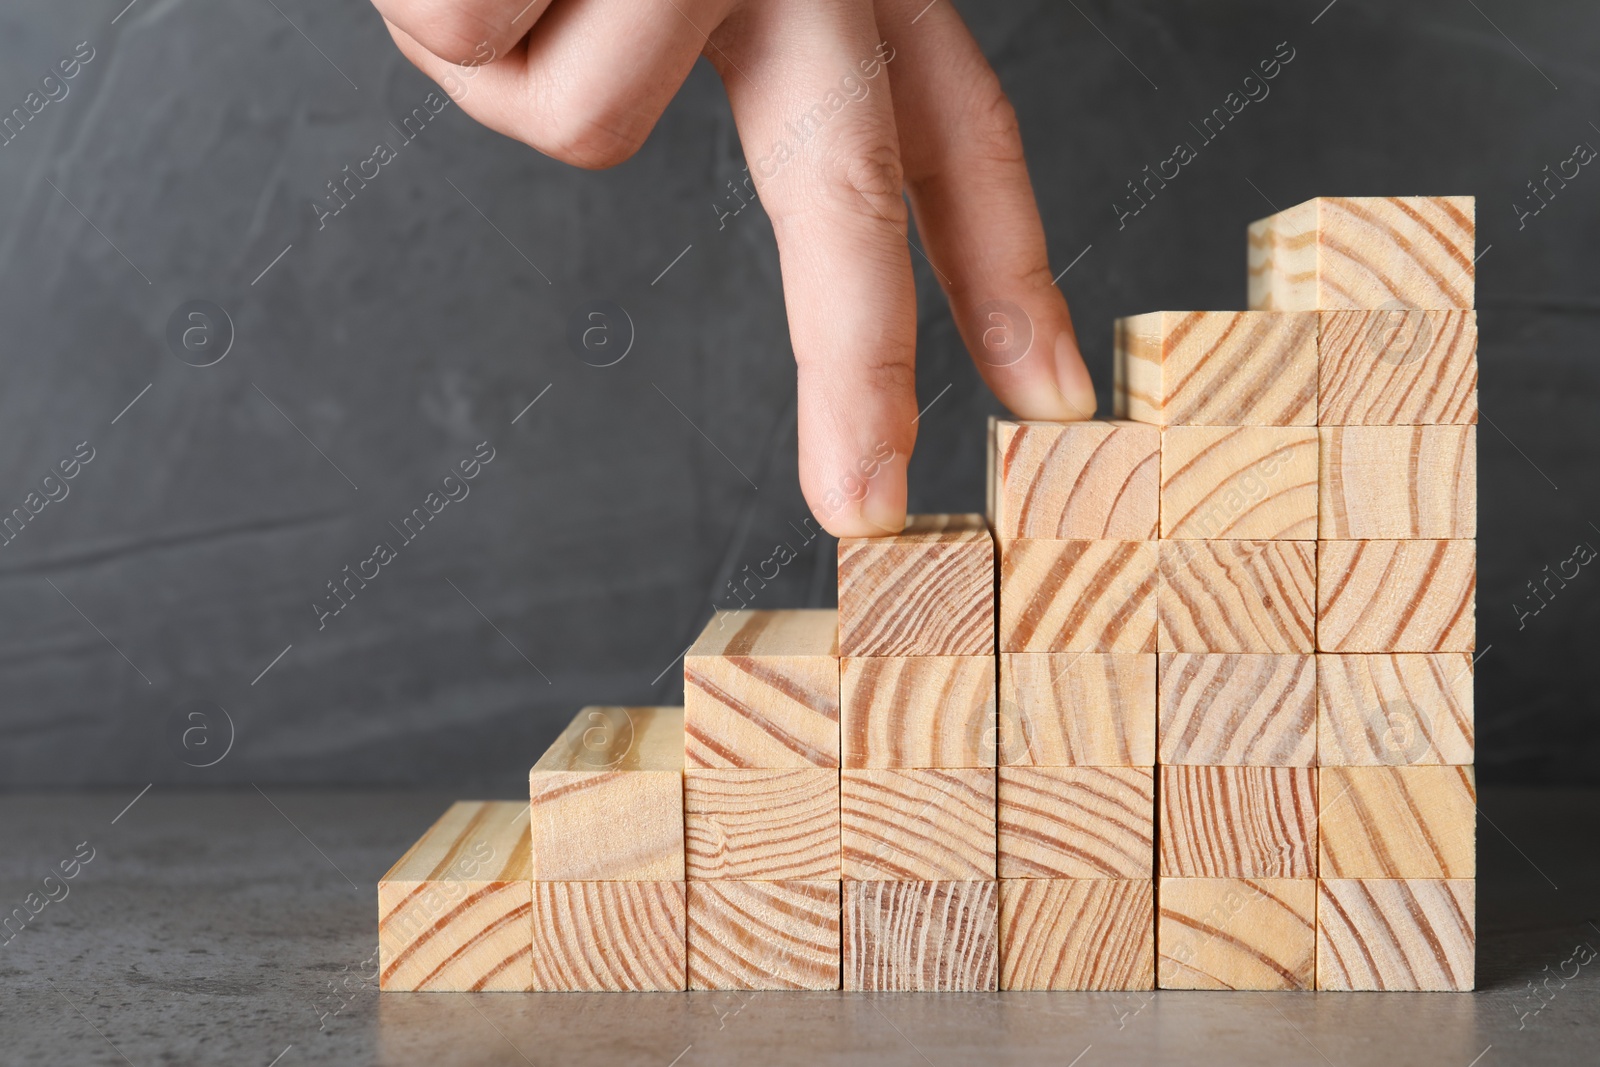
{"x":1232,"y":710}
{"x":453,"y":911}
{"x":927,"y":591}
{"x":761,"y":689}
{"x":1076,"y":822}
{"x":1397,"y":482}
{"x":1216,"y":368}
{"x":1085,"y":709}
{"x":1396,"y":596}
{"x":1238,"y":822}
{"x":1237,"y":596}
{"x":1077,"y":596}
{"x":927,"y":936}
{"x":1396,"y":934}
{"x":1228,"y":933}
{"x":764,"y":935}
{"x":1397,"y":367}
{"x":1377,"y":710}
{"x":918,"y":711}
{"x":916,"y":825}
{"x":1077,"y":934}
{"x":1074,"y":480}
{"x":608,"y":798}
{"x":1239,"y":482}
{"x":761,"y":825}
{"x":1398,"y":822}
{"x":609,"y":936}
{"x":1364,"y":252}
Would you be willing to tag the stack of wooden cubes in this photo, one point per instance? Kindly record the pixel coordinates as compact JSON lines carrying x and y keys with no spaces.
{"x":917,"y":822}
{"x":1189,"y":708}
{"x":1074,"y":509}
{"x":1391,"y":281}
{"x":761,"y":801}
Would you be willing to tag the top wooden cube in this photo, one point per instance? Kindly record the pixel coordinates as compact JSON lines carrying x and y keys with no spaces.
{"x":1074,"y":481}
{"x":926,"y":591}
{"x":1216,"y":368}
{"x":1338,"y":252}
{"x":761,"y":689}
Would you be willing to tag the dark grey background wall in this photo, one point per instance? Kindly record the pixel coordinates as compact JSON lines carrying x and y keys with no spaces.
{"x":371,"y":355}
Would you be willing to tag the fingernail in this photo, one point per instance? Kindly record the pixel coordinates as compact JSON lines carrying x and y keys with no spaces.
{"x":1072,"y":377}
{"x":884,"y":506}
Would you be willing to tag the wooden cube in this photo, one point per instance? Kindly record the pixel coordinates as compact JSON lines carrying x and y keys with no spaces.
{"x":1398,"y":822}
{"x":1077,"y":934}
{"x":1238,"y":933}
{"x":1074,"y":480}
{"x":1396,"y":934}
{"x":1237,"y":596}
{"x":1398,"y":482}
{"x":1083,"y":709}
{"x":761,"y":825}
{"x":1238,"y":822}
{"x":1396,"y":596}
{"x":1216,"y":368}
{"x":1364,"y":252}
{"x":453,"y":911}
{"x":927,"y":591}
{"x":608,"y":798}
{"x":1407,"y":708}
{"x":917,"y":825}
{"x":1397,"y":367}
{"x":1076,"y":822}
{"x":764,"y":935}
{"x":918,"y":711}
{"x":1224,"y":709}
{"x":1077,"y":596}
{"x":1256,"y":482}
{"x":609,"y":936}
{"x":925,"y":936}
{"x":761,"y":689}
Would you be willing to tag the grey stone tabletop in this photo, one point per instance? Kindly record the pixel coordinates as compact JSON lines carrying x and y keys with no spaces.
{"x":239,"y":927}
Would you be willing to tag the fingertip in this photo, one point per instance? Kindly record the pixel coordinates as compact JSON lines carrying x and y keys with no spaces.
{"x":1072,"y":378}
{"x":874,"y":506}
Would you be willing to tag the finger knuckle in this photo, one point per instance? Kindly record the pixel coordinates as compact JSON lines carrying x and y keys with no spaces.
{"x":459,"y":35}
{"x":868,"y":179}
{"x":996,"y":135}
{"x":593,"y":141}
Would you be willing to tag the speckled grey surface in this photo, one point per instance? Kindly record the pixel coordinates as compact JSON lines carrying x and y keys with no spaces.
{"x":220,"y":928}
{"x":184,"y":160}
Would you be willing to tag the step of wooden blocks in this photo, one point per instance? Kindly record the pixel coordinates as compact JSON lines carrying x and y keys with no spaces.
{"x":1397,"y":822}
{"x":453,"y":912}
{"x":1239,"y":482}
{"x":1077,"y":596}
{"x":1364,"y":252}
{"x":1394,"y":710}
{"x":917,"y":825}
{"x":1076,"y":822}
{"x":1397,"y":482}
{"x":778,"y":825}
{"x":1224,"y":709}
{"x":1238,"y":822}
{"x":926,"y":591}
{"x":607,"y":798}
{"x":918,"y":711}
{"x":1077,"y":709}
{"x":764,"y":935}
{"x":1074,"y":481}
{"x":934,"y":936}
{"x":1237,"y":596}
{"x":1396,"y":934}
{"x":761,"y":689}
{"x":1216,"y":368}
{"x":1237,"y":933}
{"x":1396,"y":596}
{"x":1397,"y":367}
{"x":1077,"y":934}
{"x":609,"y":936}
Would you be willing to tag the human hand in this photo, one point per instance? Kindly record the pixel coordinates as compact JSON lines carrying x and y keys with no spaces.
{"x":832,"y":150}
